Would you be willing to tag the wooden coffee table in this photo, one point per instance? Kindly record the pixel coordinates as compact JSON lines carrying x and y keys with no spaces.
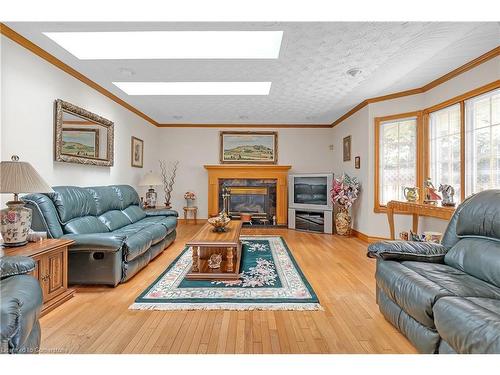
{"x":206,"y":243}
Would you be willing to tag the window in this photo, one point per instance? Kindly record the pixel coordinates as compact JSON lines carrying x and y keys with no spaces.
{"x":444,"y":148}
{"x":482,"y":140}
{"x":397,"y":157}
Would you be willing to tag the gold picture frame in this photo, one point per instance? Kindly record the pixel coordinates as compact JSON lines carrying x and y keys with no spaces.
{"x":136,"y":152}
{"x":248,"y":147}
{"x":346,"y":148}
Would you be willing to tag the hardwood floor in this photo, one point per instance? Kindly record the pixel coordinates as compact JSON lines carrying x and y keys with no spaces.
{"x":97,"y":319}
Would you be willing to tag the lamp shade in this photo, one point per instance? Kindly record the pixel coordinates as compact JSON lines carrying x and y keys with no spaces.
{"x":150,"y":179}
{"x":20,"y":177}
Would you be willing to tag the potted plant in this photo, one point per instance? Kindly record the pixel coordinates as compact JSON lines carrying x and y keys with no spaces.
{"x":190,"y":197}
{"x":344,"y":192}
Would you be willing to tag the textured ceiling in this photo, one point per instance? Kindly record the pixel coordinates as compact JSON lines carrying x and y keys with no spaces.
{"x":309,"y":80}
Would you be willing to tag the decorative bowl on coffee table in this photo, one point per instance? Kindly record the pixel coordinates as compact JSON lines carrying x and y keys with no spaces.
{"x":219,"y":222}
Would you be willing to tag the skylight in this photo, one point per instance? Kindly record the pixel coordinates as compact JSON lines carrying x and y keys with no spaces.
{"x":170,"y":44}
{"x":195,"y":88}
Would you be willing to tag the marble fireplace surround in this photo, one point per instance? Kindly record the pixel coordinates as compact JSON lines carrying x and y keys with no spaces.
{"x":236,"y":171}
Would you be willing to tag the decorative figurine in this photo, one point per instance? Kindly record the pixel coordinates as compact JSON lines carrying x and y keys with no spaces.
{"x":411,"y":194}
{"x":430,"y":196}
{"x":448,"y":193}
{"x":215,"y":261}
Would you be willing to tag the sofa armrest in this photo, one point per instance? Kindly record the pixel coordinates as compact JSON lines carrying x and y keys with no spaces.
{"x":15,"y":265}
{"x":408,"y":250}
{"x":106,"y":242}
{"x":162,"y":212}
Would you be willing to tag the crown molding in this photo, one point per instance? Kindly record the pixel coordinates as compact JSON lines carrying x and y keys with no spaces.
{"x":32,"y":47}
{"x":438,"y":81}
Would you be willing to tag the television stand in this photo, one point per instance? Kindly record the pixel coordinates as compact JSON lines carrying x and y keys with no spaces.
{"x":309,"y":220}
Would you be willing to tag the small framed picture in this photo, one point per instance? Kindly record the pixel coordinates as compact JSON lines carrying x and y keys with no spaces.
{"x":137,"y":152}
{"x":357,"y":162}
{"x":347,"y":148}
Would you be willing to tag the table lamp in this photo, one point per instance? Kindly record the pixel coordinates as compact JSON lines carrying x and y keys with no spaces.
{"x":15,"y":220}
{"x":151,"y":179}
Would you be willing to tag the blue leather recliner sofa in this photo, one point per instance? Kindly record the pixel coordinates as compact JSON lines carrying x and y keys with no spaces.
{"x":445,"y":298}
{"x":114,"y":237}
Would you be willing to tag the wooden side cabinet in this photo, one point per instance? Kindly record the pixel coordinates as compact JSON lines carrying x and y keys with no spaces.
{"x":51,"y":269}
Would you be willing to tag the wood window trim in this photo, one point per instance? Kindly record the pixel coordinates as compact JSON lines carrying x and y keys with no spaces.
{"x":423,"y":154}
{"x":379,"y":208}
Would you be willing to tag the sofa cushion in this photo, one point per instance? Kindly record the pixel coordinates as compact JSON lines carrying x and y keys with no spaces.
{"x":106,"y":198}
{"x":478,"y":257}
{"x":469,"y":325}
{"x":480,"y":217}
{"x":136,"y":244}
{"x":71,"y":202}
{"x":114,"y":219}
{"x":83,"y":225}
{"x":414,"y":293}
{"x":128,"y":195}
{"x":15,"y":265}
{"x":417,"y":286}
{"x":170,"y":223}
{"x":134,"y":213}
{"x":45,"y":216}
{"x":457,"y":282}
{"x":157,"y":231}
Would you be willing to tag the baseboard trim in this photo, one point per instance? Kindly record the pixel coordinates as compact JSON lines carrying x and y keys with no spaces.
{"x":364,"y":237}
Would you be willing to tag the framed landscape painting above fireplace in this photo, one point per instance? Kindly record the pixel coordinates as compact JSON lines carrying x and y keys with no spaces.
{"x":248,"y":147}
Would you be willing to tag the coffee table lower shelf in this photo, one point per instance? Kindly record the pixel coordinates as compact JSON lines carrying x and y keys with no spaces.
{"x":204,"y":272}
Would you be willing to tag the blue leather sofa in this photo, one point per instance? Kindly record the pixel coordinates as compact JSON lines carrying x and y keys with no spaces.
{"x":20,"y":306}
{"x":114,"y":237}
{"x":445,"y":298}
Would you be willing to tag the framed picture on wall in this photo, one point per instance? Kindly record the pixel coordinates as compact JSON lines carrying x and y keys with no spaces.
{"x":248,"y":147}
{"x":357,"y":162}
{"x":137,"y":152}
{"x":80,"y":142}
{"x":346,"y":148}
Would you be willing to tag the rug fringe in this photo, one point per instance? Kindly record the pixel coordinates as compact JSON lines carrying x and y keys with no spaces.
{"x":227,"y":306}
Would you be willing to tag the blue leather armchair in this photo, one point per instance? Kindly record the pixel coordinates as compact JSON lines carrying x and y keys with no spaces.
{"x":20,"y":306}
{"x":445,"y":298}
{"x":114,"y":237}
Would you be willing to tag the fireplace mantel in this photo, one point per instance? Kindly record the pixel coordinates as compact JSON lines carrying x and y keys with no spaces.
{"x":254,"y":171}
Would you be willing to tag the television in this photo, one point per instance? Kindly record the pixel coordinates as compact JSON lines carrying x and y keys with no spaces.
{"x":310,"y":191}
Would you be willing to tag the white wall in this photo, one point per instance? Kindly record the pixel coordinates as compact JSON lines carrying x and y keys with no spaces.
{"x":307,"y":150}
{"x":361,"y":127}
{"x":29,"y":87}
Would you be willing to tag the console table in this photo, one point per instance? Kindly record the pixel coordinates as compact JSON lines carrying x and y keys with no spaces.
{"x":51,"y":269}
{"x":416,"y":209}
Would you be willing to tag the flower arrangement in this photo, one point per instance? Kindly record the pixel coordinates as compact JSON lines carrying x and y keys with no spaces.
{"x":345,"y":191}
{"x":189,"y":195}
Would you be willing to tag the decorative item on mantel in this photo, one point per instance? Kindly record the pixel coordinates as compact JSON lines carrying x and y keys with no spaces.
{"x":15,"y":220}
{"x":448,"y":193}
{"x":151,"y":179}
{"x":344,"y":192}
{"x":190,"y":197}
{"x":168,"y":174}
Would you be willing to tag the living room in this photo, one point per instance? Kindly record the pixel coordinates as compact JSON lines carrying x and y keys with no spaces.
{"x":296,"y":186}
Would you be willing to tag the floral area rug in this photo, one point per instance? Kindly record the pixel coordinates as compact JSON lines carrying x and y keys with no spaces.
{"x":270,"y":279}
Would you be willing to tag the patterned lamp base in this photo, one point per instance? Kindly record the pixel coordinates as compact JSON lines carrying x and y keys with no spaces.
{"x":15,"y":223}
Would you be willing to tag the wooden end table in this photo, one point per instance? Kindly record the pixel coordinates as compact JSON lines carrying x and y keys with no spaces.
{"x":193,"y":210}
{"x":51,"y":269}
{"x":206,"y":243}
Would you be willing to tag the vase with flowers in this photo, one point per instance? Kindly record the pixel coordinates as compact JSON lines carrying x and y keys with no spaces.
{"x":345,"y":191}
{"x":190,"y":197}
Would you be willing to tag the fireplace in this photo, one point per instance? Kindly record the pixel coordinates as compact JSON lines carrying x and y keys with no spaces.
{"x":277,"y":195}
{"x":252,"y":196}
